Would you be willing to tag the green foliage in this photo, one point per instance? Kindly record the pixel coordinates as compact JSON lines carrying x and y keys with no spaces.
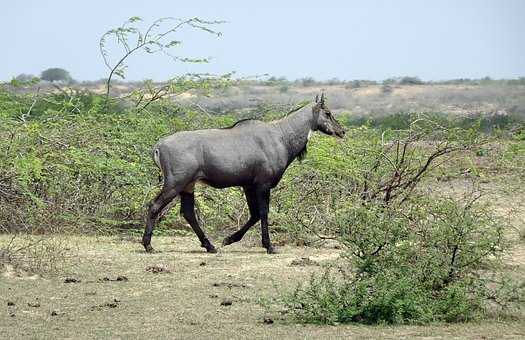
{"x":411,"y":256}
{"x":154,"y":93}
{"x":411,"y":81}
{"x":414,"y":263}
{"x":67,"y":164}
{"x":55,"y":74}
{"x":284,"y":88}
{"x":484,"y":123}
{"x":24,"y":80}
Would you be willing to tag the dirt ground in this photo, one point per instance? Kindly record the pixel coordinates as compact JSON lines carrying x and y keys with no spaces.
{"x":113,"y":289}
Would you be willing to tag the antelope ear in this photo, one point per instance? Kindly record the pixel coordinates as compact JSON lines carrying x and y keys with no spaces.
{"x":322,"y":98}
{"x":316,"y":98}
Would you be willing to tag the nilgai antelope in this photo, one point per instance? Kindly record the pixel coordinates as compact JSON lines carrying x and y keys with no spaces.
{"x":250,"y":154}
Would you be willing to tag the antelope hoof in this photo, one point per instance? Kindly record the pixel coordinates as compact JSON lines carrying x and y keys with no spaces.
{"x":149,"y":248}
{"x":210,"y":248}
{"x":227,"y":241}
{"x":272,"y":250}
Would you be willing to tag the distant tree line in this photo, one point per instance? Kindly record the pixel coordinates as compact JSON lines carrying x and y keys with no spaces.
{"x":55,"y":74}
{"x":394,"y":81}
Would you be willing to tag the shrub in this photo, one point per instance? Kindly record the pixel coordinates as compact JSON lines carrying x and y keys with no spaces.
{"x":66,"y":165}
{"x":428,"y":261}
{"x":411,"y":81}
{"x":284,"y":88}
{"x":489,"y":123}
{"x":410,"y":256}
{"x":28,"y":254}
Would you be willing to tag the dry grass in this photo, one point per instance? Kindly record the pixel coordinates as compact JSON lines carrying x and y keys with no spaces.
{"x":26,"y":254}
{"x":190,"y":299}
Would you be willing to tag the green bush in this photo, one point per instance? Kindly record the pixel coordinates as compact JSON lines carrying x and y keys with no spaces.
{"x":64,"y":164}
{"x":483,"y":123}
{"x":411,"y":81}
{"x":428,"y":261}
{"x":411,"y":256}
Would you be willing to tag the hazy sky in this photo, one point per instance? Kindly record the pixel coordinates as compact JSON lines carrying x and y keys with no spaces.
{"x":323,"y":39}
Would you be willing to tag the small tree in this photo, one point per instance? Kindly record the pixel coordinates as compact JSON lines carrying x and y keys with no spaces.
{"x":156,"y":38}
{"x":55,"y":74}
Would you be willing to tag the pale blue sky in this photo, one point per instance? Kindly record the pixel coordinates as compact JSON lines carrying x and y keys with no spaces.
{"x":323,"y":39}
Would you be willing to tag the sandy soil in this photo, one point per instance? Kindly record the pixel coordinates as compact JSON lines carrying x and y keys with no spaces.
{"x":181,"y":292}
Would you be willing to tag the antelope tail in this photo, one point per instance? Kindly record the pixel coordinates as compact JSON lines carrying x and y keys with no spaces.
{"x":156,"y":159}
{"x":156,"y":156}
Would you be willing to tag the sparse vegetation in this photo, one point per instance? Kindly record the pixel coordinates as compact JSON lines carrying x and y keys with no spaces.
{"x":415,"y":263}
{"x":69,"y":166}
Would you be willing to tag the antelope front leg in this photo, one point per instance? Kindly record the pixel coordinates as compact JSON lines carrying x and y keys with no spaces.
{"x":251,"y":199}
{"x":263,"y":201}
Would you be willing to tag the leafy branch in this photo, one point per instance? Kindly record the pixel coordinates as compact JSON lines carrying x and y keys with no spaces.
{"x":152,"y":92}
{"x":152,"y":40}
